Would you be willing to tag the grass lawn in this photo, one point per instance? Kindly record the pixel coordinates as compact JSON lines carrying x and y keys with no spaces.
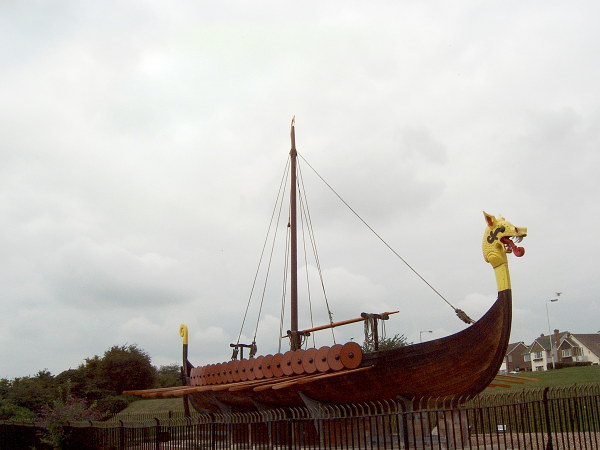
{"x":561,"y":377}
{"x":153,"y":405}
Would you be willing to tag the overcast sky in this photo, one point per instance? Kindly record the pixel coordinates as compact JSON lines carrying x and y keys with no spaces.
{"x":142,"y":145}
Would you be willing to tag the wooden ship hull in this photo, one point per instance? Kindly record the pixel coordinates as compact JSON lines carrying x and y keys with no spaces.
{"x":460,"y":364}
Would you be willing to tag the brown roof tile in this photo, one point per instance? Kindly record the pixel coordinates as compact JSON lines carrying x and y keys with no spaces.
{"x":591,"y":341}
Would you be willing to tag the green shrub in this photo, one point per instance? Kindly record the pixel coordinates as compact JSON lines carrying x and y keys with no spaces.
{"x":562,"y":365}
{"x":10,"y":411}
{"x":113,"y":404}
{"x":65,"y":409}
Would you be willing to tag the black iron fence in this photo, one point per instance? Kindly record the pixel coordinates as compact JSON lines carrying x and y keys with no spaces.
{"x":537,"y":419}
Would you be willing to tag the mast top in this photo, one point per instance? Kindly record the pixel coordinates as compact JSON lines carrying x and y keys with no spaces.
{"x":293,"y":136}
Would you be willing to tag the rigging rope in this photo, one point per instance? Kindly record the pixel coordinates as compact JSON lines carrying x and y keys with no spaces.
{"x":313,"y":242}
{"x":282,"y":183}
{"x":460,"y":313}
{"x":312,"y":323}
{"x":370,"y":324}
{"x":286,"y":261}
{"x":262,"y":299}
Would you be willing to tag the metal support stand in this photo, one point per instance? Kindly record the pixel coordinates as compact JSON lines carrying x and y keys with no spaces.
{"x":223,"y":407}
{"x":317,"y":412}
{"x":268,"y":414}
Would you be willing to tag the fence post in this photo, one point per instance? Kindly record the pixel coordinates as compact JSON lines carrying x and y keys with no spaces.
{"x":157,"y":433}
{"x":403,"y":405}
{"x":121,"y":434}
{"x":549,"y":445}
{"x":213,"y":443}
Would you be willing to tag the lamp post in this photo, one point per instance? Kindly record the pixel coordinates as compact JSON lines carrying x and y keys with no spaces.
{"x":421,"y":334}
{"x":549,"y":330}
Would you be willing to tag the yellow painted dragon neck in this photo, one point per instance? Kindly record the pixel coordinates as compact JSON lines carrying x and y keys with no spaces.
{"x":499,"y":239}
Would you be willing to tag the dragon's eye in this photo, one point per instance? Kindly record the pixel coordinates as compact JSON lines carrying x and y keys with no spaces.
{"x":516,"y":230}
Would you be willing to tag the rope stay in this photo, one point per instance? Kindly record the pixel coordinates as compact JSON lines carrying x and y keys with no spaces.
{"x":312,"y":323}
{"x":278,"y":199}
{"x":262,"y":299}
{"x":286,"y":261}
{"x":460,"y":313}
{"x":306,"y":211}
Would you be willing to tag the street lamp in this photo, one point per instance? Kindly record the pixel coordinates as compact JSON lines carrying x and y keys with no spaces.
{"x":549,"y":330}
{"x":421,"y":334}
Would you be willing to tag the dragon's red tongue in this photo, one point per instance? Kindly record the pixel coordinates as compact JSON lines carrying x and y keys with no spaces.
{"x":518,"y":251}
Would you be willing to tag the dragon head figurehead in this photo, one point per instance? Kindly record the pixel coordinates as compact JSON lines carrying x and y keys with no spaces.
{"x":500,"y":238}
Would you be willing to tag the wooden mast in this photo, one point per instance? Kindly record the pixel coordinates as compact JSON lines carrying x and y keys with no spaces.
{"x":295,"y":343}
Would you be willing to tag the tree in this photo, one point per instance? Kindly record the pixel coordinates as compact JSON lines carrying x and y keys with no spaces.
{"x":32,"y":392}
{"x":168,"y":376}
{"x":76,"y":378}
{"x":100,"y":380}
{"x":125,"y":368}
{"x":398,"y":340}
{"x":4,"y":387}
{"x":84,"y":380}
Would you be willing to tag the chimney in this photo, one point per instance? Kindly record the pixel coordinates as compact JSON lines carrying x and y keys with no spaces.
{"x":556,"y":338}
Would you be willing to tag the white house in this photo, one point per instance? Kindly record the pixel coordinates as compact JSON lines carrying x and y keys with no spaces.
{"x":580,"y":348}
{"x":542,"y":349}
{"x":566,"y":347}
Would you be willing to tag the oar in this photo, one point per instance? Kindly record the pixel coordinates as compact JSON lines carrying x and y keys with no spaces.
{"x":174,"y":392}
{"x":179,"y":391}
{"x":264,"y":382}
{"x":210,"y":387}
{"x":142,"y":391}
{"x":305,"y":380}
{"x":279,"y":380}
{"x":184,"y":390}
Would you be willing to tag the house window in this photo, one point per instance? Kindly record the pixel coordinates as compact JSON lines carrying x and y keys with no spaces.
{"x":539,"y":368}
{"x":577,"y":351}
{"x":537,"y":355}
{"x":527,"y":357}
{"x":509,"y":358}
{"x":566,"y":352}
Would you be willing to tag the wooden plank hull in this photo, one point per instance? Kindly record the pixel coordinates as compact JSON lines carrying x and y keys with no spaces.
{"x":460,"y":364}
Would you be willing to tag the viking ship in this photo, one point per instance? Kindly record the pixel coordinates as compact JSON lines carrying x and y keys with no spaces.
{"x":464,"y":363}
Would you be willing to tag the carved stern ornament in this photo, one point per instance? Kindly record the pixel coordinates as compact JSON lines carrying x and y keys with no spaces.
{"x":500,"y":237}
